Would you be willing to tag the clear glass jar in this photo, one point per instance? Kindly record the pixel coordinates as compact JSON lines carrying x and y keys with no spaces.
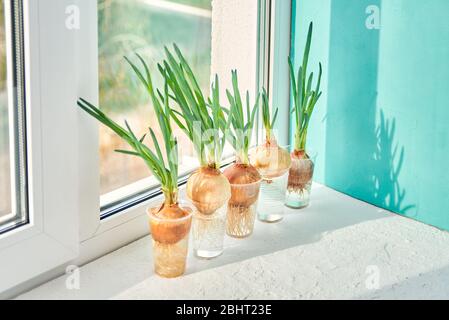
{"x":209,"y":191}
{"x":272,"y":199}
{"x":273,"y":163}
{"x":299,"y":183}
{"x":170,"y":242}
{"x":208,"y":233}
{"x":242,"y":208}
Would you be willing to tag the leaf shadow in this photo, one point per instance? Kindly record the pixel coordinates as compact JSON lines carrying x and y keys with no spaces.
{"x":388,"y":160}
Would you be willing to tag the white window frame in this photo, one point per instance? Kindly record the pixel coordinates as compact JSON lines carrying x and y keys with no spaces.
{"x":51,"y":236}
{"x":15,"y":217}
{"x":67,"y":229}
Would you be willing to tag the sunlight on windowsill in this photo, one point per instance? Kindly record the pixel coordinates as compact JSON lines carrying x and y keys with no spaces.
{"x":338,"y":247}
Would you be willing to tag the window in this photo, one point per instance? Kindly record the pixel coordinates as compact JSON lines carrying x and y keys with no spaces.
{"x":129,"y":26}
{"x":13,"y":178}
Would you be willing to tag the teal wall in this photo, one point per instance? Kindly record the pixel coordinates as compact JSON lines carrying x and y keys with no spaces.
{"x":381,"y":132}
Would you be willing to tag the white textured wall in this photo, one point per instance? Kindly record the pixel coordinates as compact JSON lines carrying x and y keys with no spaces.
{"x":234,"y":41}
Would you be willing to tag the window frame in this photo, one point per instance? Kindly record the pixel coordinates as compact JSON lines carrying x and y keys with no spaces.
{"x":51,"y":236}
{"x":68,"y":229}
{"x":17,"y":121}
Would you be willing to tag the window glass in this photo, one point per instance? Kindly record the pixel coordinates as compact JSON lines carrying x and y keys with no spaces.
{"x":5,"y":178}
{"x":13,"y":180}
{"x":143,"y":26}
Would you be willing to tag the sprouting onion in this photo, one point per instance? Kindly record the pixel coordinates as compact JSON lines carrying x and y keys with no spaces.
{"x":201,"y":121}
{"x":241,"y":129}
{"x":269,"y":158}
{"x":305,"y":98}
{"x":239,"y":136}
{"x":200,"y":125}
{"x":165,"y":170}
{"x":268,"y":122}
{"x":244,"y":178}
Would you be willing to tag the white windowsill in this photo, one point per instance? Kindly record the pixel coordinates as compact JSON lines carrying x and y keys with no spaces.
{"x":329,"y":250}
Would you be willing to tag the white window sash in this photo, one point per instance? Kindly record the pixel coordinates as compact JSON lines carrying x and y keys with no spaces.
{"x":51,"y":237}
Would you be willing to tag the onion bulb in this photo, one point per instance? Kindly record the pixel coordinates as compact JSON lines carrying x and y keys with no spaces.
{"x":244,"y":188}
{"x":270,"y":160}
{"x":301,"y":172}
{"x":167,"y":225}
{"x":208,"y":189}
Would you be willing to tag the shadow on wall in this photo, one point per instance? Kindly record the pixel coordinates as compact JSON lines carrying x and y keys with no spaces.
{"x":388,"y":161}
{"x":362,"y":158}
{"x":352,"y":92}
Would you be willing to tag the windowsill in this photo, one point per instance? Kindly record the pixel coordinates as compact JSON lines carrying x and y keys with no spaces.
{"x":329,"y":250}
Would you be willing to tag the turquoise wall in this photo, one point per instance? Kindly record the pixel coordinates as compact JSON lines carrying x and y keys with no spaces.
{"x":381,"y":132}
